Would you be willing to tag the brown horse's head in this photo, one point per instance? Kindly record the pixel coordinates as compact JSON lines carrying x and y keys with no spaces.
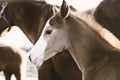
{"x":30,"y":16}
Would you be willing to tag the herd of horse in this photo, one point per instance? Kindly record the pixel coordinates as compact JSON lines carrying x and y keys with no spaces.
{"x":74,"y":50}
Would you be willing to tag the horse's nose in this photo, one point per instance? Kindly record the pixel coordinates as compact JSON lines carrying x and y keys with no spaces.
{"x":30,"y":58}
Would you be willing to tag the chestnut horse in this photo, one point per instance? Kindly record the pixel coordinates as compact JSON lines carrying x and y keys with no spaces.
{"x":30,"y":16}
{"x":107,"y":14}
{"x":95,"y":57}
{"x":12,"y":61}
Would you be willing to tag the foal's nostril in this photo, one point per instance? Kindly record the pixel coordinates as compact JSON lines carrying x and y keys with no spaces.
{"x":48,"y":32}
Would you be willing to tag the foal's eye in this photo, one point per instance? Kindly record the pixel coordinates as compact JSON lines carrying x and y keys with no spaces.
{"x":48,"y":31}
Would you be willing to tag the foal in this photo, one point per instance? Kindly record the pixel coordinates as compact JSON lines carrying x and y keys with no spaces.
{"x":95,"y":57}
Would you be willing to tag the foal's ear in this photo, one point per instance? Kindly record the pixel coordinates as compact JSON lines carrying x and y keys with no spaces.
{"x":64,"y":11}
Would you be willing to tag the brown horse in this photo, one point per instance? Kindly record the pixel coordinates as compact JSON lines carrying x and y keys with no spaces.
{"x":95,"y":57}
{"x":107,"y":14}
{"x":30,"y":16}
{"x":12,"y":61}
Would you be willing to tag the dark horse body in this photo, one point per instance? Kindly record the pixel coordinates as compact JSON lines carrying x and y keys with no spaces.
{"x":11,"y":62}
{"x":30,"y":17}
{"x":107,"y":14}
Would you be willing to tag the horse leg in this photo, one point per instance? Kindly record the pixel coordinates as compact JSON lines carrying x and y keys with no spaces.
{"x":18,"y":76}
{"x":7,"y":74}
{"x":16,"y":72}
{"x":47,"y":71}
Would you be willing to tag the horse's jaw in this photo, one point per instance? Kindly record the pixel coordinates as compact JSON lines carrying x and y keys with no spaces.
{"x":49,"y":53}
{"x":44,"y":53}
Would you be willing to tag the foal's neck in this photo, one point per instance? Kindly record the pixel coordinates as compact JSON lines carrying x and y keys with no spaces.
{"x":86,"y":45}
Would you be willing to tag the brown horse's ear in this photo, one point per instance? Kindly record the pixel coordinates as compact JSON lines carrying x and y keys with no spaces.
{"x":64,"y":11}
{"x":55,"y":10}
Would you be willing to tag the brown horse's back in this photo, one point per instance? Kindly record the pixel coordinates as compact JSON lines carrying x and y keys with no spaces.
{"x":9,"y":58}
{"x":13,"y":61}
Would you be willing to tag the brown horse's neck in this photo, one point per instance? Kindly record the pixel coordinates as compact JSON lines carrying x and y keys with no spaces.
{"x":87,"y":47}
{"x":30,"y":17}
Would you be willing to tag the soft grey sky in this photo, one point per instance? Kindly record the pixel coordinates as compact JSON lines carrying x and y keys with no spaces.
{"x":16,"y":38}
